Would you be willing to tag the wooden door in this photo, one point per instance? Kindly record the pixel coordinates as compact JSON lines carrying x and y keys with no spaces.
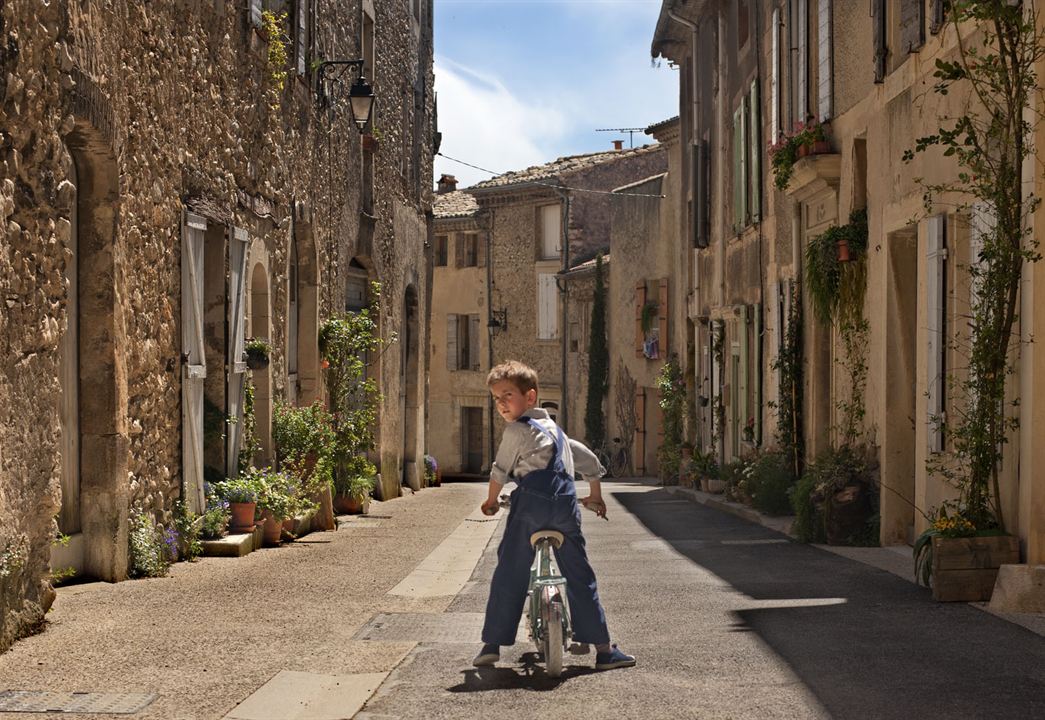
{"x":237,"y":367}
{"x":194,"y":363}
{"x":472,"y":422}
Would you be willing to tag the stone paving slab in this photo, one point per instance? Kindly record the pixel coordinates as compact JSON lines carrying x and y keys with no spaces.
{"x":308,"y":696}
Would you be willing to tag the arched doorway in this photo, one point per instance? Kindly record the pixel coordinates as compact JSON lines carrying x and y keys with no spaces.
{"x":260,"y":327}
{"x":409,"y":389}
{"x":95,"y":492}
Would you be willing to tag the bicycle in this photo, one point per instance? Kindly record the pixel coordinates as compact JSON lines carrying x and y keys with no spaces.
{"x":548,"y":612}
{"x":616,"y":464}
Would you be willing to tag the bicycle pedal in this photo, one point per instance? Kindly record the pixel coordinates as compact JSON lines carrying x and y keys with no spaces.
{"x":579,"y":648}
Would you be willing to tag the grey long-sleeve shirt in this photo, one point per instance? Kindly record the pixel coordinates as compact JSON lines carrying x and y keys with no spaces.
{"x":524,"y":449}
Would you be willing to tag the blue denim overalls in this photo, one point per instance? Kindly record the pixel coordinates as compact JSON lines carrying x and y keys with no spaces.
{"x":545,"y":500}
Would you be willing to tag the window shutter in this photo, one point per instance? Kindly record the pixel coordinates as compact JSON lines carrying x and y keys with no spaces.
{"x":881,"y":52}
{"x":717,"y":337}
{"x":803,"y":60}
{"x":702,"y":191}
{"x":754,"y":144}
{"x":774,"y":79}
{"x":255,"y":13}
{"x":937,"y":16}
{"x":640,"y":301}
{"x":912,"y":25}
{"x":640,"y":431}
{"x":824,"y":78}
{"x":981,"y":224}
{"x":473,"y":342}
{"x":451,"y":342}
{"x":480,"y":250}
{"x":759,"y":372}
{"x":458,"y":240}
{"x":662,"y":318}
{"x":743,"y":401}
{"x":547,"y":304}
{"x":936,"y":254}
{"x":738,"y":169}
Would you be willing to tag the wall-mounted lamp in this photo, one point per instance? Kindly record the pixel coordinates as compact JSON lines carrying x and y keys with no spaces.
{"x":331,"y":84}
{"x":498,"y":321}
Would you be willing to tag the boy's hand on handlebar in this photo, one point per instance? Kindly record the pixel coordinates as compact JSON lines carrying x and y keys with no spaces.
{"x":490,"y":506}
{"x":596,"y":505}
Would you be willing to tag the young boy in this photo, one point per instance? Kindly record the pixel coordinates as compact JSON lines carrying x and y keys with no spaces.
{"x":542,"y":460}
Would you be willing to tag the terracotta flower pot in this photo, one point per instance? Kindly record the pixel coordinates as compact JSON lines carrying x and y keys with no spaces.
{"x":843,"y":250}
{"x":348,"y":505}
{"x":273,"y":529}
{"x":821,"y":147}
{"x":242,"y":517}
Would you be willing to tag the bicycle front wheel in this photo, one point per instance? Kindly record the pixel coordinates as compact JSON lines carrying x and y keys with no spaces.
{"x":553,"y":640}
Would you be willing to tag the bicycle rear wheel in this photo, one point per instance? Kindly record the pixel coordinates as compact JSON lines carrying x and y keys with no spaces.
{"x":553,"y":640}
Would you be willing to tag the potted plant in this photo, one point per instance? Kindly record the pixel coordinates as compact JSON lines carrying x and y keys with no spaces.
{"x":960,"y":561}
{"x":305,"y":446}
{"x":433,"y":476}
{"x":705,"y":467}
{"x":215,"y":518}
{"x":241,"y":493}
{"x":808,"y":139}
{"x":836,"y":499}
{"x":257,"y":352}
{"x":276,"y":502}
{"x":354,"y":496}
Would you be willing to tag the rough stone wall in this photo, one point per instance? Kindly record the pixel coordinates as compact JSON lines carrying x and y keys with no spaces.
{"x":172,"y":104}
{"x":590,"y":213}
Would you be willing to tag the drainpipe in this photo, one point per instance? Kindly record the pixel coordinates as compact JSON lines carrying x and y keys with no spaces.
{"x":694,"y":95}
{"x":488,"y":223}
{"x":564,"y":327}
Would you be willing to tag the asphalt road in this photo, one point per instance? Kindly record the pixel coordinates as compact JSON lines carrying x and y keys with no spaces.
{"x":732,"y":620}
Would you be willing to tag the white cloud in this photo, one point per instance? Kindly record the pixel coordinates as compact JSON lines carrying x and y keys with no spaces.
{"x":484,"y":124}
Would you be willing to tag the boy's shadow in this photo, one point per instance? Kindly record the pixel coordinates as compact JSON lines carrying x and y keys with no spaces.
{"x":530,"y":676}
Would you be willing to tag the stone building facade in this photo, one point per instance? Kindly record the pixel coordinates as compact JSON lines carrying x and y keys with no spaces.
{"x":753,"y":73}
{"x":647,"y":301}
{"x":170,"y":187}
{"x":515,"y":299}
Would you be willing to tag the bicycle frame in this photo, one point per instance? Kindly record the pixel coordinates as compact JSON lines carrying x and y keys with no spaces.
{"x":546,"y":584}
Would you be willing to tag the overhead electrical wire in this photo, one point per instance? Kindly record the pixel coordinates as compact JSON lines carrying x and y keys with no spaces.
{"x":553,"y":185}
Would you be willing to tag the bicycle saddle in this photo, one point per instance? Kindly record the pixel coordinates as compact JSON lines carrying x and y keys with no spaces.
{"x":554,"y":535}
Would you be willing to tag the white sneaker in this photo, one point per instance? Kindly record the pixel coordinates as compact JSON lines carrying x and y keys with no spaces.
{"x":489,"y":655}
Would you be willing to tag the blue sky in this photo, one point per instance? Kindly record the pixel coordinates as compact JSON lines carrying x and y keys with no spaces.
{"x":522,"y":82}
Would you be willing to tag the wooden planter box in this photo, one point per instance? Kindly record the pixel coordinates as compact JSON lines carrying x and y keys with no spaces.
{"x":964,"y":569}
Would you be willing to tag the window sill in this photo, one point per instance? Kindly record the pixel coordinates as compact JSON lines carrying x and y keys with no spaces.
{"x":813,"y":174}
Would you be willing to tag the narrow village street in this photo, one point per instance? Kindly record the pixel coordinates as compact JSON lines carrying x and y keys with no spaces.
{"x":728,"y":619}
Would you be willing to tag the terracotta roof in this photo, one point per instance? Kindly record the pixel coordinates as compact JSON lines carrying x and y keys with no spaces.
{"x":562,"y":166}
{"x":455,"y":204}
{"x":655,"y":127}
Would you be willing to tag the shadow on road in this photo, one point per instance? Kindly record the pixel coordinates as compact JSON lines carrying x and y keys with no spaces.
{"x":530,"y":676}
{"x":884,"y":649}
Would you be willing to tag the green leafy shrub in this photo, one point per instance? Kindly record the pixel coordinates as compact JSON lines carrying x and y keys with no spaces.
{"x":305,"y":445}
{"x":152,"y":548}
{"x":242,"y":489}
{"x":188,"y":525}
{"x":771,"y":483}
{"x":672,"y":387}
{"x":215,"y":520}
{"x":833,"y":471}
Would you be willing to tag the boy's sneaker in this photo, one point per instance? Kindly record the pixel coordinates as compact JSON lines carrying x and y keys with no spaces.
{"x":490,"y":654}
{"x":616,"y":658}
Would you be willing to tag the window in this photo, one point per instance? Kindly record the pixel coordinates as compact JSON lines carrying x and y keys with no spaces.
{"x":774,"y":78}
{"x":912,"y":25}
{"x":470,"y":252}
{"x":747,"y":156}
{"x":881,"y":48}
{"x":356,"y":296}
{"x":550,"y":231}
{"x":547,"y":307}
{"x":938,"y":15}
{"x":462,"y":342}
{"x":301,"y":35}
{"x":441,"y":242}
{"x":936,"y":330}
{"x":823,"y":34}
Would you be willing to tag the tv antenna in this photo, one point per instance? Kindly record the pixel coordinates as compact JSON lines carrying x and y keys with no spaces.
{"x":631,"y":133}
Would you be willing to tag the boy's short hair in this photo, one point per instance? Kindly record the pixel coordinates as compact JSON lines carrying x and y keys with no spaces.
{"x":518,"y":374}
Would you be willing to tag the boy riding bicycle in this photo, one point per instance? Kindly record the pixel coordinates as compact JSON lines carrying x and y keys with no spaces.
{"x":542,"y":460}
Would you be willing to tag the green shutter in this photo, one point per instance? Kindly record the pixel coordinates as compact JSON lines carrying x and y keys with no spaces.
{"x":738,"y":170}
{"x":742,"y":391}
{"x":755,"y":144}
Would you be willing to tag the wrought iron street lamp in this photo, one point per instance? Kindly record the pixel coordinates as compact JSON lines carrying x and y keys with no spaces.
{"x":331,"y":86}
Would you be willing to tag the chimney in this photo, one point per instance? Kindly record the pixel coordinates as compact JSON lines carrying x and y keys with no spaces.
{"x":618,"y":144}
{"x":447,"y":184}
